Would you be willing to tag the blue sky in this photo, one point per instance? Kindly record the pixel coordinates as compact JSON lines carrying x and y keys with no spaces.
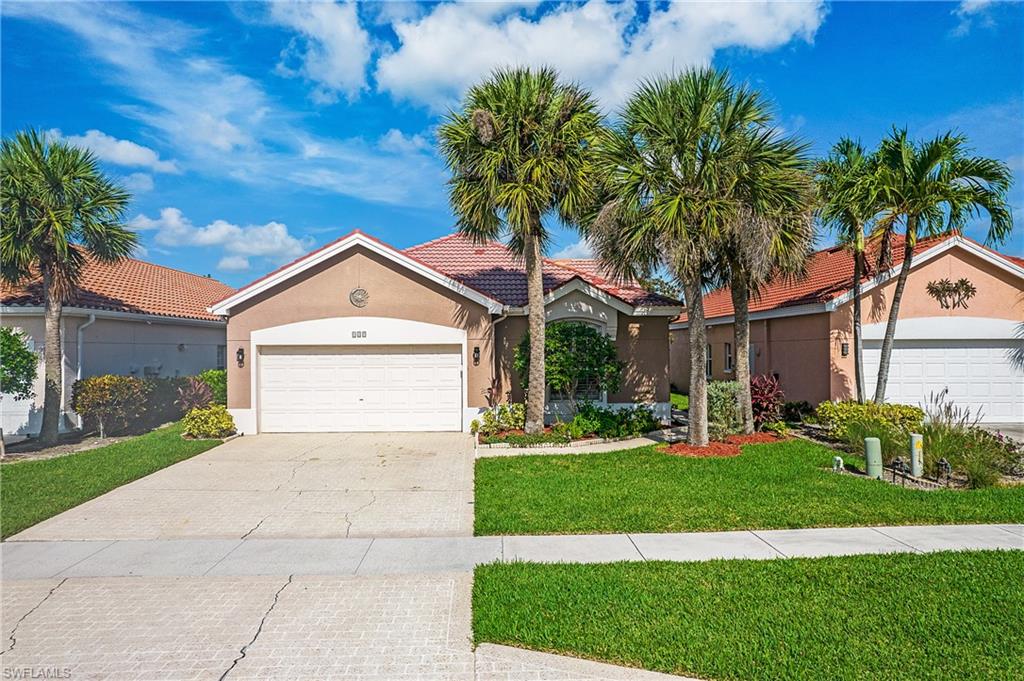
{"x":250,"y":133}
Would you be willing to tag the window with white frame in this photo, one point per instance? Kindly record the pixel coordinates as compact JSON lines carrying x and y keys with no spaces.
{"x":708,"y":362}
{"x":728,"y":357}
{"x":588,"y":390}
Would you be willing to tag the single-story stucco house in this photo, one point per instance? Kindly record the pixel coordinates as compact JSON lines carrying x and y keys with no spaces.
{"x":131,"y":318}
{"x":360,"y":336}
{"x":802,"y":331}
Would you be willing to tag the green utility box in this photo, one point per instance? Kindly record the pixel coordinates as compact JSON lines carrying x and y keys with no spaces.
{"x":873,"y":457}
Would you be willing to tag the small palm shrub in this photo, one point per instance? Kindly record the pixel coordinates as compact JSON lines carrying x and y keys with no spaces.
{"x":110,"y":402}
{"x":724,"y":416}
{"x":211,"y":422}
{"x":217,"y":380}
{"x":766,"y":398}
{"x":195,"y":394}
{"x":836,"y":416}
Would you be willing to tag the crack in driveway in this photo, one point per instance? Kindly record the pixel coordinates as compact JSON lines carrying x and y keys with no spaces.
{"x":14,"y":632}
{"x":348,"y":523}
{"x":259,"y":630}
{"x":295,"y":470}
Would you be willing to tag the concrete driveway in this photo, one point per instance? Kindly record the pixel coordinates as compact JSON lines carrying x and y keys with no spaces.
{"x":295,"y":485}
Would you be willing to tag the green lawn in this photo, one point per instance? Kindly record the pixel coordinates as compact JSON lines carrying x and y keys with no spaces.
{"x":32,"y":491}
{"x":775,"y":485}
{"x":681,"y":402}
{"x":931,"y":616}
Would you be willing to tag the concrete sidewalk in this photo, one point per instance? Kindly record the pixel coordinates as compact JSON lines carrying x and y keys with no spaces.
{"x":24,"y":560}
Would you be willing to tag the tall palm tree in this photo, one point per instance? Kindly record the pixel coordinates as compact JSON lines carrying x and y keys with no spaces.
{"x":521,"y":151}
{"x":772,"y":238}
{"x":56,"y":210}
{"x":849,"y":201}
{"x":675,"y":182}
{"x":933,"y":188}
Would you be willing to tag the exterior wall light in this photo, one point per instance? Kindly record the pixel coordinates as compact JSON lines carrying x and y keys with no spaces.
{"x":476,"y":355}
{"x":240,"y":357}
{"x":845,"y":349}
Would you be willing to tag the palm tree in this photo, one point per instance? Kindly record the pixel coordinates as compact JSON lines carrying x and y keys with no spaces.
{"x":772,"y":239}
{"x":521,"y":151}
{"x":57,"y":210}
{"x":932,"y":188}
{"x":676,"y":181}
{"x":849,"y":201}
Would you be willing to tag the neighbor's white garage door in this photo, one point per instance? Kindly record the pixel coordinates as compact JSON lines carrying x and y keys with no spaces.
{"x":979,"y":375}
{"x":340,"y":389}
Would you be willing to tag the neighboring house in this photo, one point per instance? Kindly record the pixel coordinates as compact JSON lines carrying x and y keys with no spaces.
{"x":360,"y":336}
{"x":131,"y":318}
{"x":802,"y":331}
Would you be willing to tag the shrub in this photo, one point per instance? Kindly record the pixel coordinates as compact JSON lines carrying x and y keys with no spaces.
{"x":894,"y":439}
{"x":575,"y":355}
{"x":195,"y":394}
{"x":794,"y":412}
{"x":951,"y":433}
{"x":779,"y":428}
{"x":836,"y":416}
{"x":110,"y":401}
{"x":603,"y":422}
{"x":18,"y":364}
{"x":765,"y":399}
{"x":501,"y":418}
{"x":723,"y":408}
{"x":212,"y":422}
{"x":161,"y":400}
{"x":217,"y":379}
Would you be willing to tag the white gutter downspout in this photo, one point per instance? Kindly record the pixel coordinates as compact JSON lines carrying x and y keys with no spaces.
{"x":79,"y":348}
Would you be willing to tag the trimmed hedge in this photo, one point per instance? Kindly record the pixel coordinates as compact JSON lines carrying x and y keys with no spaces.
{"x":836,"y":417}
{"x":212,"y":422}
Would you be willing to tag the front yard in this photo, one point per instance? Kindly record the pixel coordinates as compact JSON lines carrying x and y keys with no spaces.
{"x":932,"y":616}
{"x":32,"y":491}
{"x":778,"y":485}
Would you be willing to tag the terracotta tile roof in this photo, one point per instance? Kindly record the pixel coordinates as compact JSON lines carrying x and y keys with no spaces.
{"x":493,"y":270}
{"x":828,"y":277}
{"x":132,"y":286}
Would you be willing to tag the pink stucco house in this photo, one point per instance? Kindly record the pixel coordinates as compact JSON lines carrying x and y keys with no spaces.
{"x":802,"y":331}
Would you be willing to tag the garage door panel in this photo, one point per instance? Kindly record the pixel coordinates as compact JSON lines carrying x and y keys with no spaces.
{"x":977,"y":374}
{"x":327,"y":389}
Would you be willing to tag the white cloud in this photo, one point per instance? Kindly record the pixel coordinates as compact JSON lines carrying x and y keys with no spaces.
{"x":224,"y":124}
{"x":580,"y":249}
{"x":971,"y":13}
{"x":138,"y":182}
{"x":397,"y":141}
{"x":118,"y":152}
{"x":233,"y":263}
{"x":606,"y":46}
{"x":272,"y":240}
{"x":331,"y":49}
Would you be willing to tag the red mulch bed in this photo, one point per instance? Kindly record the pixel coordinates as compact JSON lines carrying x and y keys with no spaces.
{"x":730,"y":447}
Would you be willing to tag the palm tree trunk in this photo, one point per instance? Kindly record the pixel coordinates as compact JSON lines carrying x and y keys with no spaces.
{"x":858,"y":344}
{"x":894,"y":313}
{"x":741,"y":340}
{"x":698,"y":427}
{"x":535,"y":297}
{"x":52,"y":362}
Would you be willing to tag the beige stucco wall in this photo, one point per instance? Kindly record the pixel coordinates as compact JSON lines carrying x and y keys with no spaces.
{"x":111,"y":346}
{"x":322,"y":292}
{"x":806,"y":351}
{"x":1000,"y":296}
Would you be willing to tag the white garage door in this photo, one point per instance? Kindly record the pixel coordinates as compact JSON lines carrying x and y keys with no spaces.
{"x":979,"y":375}
{"x":341,"y":389}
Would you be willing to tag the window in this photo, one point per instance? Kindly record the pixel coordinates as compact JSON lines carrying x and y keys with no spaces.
{"x":588,"y":391}
{"x":708,"y":360}
{"x":728,"y":357}
{"x":222,"y":357}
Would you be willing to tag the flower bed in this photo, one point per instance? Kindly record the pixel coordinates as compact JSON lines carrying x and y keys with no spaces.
{"x":731,"y":446}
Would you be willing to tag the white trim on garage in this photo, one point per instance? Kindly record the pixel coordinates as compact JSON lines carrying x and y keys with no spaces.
{"x":941,"y":328}
{"x":346,"y":331}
